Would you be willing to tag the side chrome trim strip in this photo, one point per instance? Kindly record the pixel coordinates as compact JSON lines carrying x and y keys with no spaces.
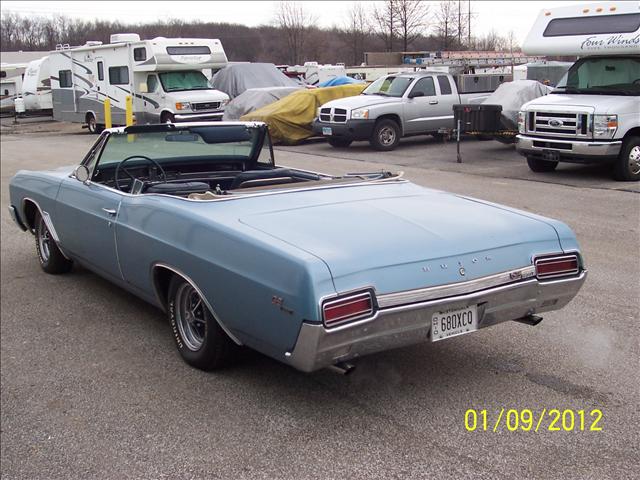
{"x":195,"y":287}
{"x":442,"y":291}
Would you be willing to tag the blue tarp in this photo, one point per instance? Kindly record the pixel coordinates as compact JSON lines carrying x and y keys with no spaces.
{"x":334,"y":82}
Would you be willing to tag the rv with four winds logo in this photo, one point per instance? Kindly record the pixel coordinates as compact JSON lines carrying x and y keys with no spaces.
{"x":593,"y":115}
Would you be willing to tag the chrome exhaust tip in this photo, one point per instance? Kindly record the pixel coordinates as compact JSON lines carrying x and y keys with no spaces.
{"x":343,"y":368}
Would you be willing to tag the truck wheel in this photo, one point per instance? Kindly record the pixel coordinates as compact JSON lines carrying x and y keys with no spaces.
{"x":627,"y":166}
{"x":167,"y":117}
{"x":201,"y":341}
{"x":537,"y":165}
{"x":339,"y":142}
{"x":386,"y":135}
{"x":49,"y":255}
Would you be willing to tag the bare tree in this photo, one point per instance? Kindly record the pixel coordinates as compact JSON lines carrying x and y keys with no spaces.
{"x":385,"y":23}
{"x":445,"y":25}
{"x":412,"y":20}
{"x":355,"y":31}
{"x":294,"y":22}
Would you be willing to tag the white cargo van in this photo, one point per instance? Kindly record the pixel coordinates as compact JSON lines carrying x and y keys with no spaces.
{"x":163,"y":75}
{"x":36,"y":86}
{"x":593,"y":115}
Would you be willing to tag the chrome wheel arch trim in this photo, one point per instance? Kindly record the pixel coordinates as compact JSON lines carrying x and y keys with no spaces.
{"x":156,"y":289}
{"x":47,"y":221}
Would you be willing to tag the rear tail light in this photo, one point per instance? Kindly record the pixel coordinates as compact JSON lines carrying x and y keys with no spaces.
{"x":347,"y":309}
{"x":557,"y":266}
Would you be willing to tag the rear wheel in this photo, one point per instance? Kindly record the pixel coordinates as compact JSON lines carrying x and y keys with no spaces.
{"x":339,"y":142}
{"x":537,"y":165}
{"x":627,"y":166}
{"x":92,"y":125}
{"x":49,"y":255}
{"x":386,"y":135}
{"x":201,"y":341}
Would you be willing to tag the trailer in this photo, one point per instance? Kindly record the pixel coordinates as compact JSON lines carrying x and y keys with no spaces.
{"x":36,"y":86}
{"x":10,"y":85}
{"x":164,"y":77}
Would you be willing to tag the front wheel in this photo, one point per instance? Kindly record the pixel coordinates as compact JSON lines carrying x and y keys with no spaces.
{"x":339,"y":142}
{"x":201,"y":341}
{"x":537,"y":165}
{"x":51,"y":258}
{"x":627,"y":166}
{"x":167,"y":117}
{"x":386,"y":135}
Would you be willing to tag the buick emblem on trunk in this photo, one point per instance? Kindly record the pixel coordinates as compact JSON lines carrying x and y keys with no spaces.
{"x":555,"y":123}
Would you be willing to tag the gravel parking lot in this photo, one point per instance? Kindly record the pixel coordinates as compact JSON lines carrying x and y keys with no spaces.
{"x":92,"y":386}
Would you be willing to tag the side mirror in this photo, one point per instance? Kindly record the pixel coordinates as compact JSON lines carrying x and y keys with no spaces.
{"x":81,"y":173}
{"x":416,"y":94}
{"x":143,"y":88}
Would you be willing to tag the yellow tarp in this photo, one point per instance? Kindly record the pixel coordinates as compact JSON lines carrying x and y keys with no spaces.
{"x":289,"y":119}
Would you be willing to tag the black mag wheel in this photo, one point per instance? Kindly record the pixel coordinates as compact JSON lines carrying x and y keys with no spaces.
{"x":201,"y":341}
{"x":49,"y":255}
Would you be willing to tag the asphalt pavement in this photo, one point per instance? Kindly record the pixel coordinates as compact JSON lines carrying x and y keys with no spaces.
{"x":92,"y":385}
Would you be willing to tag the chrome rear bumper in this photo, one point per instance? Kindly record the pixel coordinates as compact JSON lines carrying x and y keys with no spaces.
{"x":318,"y":347}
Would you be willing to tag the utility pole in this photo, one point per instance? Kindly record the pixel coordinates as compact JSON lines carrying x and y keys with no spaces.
{"x":469,"y":26}
{"x":459,"y":25}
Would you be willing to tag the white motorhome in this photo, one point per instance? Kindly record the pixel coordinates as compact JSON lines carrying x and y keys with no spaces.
{"x":593,"y":115}
{"x":163,"y":75}
{"x":10,"y":84}
{"x":36,"y":86}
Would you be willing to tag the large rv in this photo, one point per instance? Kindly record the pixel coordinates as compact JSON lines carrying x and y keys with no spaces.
{"x":36,"y":86}
{"x":164,"y":76}
{"x":593,"y":115}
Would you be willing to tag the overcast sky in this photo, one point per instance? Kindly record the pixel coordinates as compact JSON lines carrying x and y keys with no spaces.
{"x":502,"y":16}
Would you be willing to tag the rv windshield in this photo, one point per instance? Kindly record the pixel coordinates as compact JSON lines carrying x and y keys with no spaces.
{"x":388,"y":86}
{"x":181,"y":81}
{"x":602,"y":76}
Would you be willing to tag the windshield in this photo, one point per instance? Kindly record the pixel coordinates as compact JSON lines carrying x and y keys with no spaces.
{"x":604,"y":76}
{"x":181,"y":81}
{"x":390,"y":86}
{"x":224,"y":143}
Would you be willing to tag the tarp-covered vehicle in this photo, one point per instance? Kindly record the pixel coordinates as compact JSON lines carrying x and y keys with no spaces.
{"x":310,"y":269}
{"x":290,"y":119}
{"x":236,"y":78}
{"x":255,"y":98}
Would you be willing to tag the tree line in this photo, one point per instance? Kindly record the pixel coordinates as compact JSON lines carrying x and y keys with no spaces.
{"x":291,"y":37}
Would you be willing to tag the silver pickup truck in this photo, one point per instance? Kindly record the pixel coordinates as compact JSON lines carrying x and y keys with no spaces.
{"x":394,"y":106}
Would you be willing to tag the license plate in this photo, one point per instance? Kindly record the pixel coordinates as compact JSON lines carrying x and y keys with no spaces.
{"x":327,"y":131}
{"x":454,"y":322}
{"x":551,"y":155}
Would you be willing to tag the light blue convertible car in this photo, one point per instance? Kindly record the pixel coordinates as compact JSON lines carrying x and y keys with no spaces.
{"x":311,"y":269}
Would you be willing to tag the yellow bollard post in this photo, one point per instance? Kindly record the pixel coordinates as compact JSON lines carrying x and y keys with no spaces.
{"x":129,"y":110}
{"x":107,"y":113}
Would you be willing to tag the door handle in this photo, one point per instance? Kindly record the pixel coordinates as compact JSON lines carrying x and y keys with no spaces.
{"x":433,"y":102}
{"x":110,"y":211}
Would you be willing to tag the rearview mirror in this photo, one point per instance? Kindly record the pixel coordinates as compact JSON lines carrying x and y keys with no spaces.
{"x":416,"y":94}
{"x":143,"y":88}
{"x":81,"y":173}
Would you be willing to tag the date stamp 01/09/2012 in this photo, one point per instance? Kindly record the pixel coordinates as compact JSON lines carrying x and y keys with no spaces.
{"x":528,"y":420}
